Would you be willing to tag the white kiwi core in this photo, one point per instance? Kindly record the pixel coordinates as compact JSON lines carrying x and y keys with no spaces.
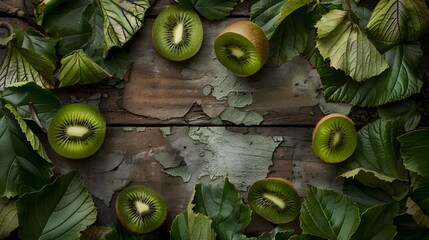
{"x":77,"y":131}
{"x":336,"y":139}
{"x":141,"y":207}
{"x":237,"y":51}
{"x":178,"y":33}
{"x":276,"y":200}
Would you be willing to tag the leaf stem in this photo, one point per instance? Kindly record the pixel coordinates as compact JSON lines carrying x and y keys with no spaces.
{"x":35,"y":116}
{"x":349,"y":10}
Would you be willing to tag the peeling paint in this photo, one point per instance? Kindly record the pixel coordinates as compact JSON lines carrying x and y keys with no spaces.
{"x":240,"y":117}
{"x":210,"y":153}
{"x":240,"y":99}
{"x":165,"y":131}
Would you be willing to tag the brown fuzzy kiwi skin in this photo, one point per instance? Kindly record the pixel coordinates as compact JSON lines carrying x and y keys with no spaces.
{"x":291,"y":185}
{"x":253,"y":33}
{"x":322,"y":120}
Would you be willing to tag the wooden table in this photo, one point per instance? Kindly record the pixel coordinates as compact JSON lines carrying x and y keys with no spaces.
{"x":196,"y":113}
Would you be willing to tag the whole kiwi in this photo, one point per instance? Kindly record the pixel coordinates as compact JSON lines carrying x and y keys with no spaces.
{"x":77,"y":130}
{"x":242,"y":47}
{"x":334,"y":138}
{"x":140,"y":209}
{"x":177,"y":33}
{"x":275,"y":199}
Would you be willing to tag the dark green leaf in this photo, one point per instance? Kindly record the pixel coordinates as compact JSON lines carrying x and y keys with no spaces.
{"x":377,"y":223}
{"x":277,"y":233}
{"x":290,"y":6}
{"x":405,"y":109}
{"x":290,"y":38}
{"x":347,"y":47}
{"x":365,"y":197}
{"x":408,"y":229}
{"x":121,"y":20}
{"x":420,"y":196}
{"x":8,"y":217}
{"x":117,"y":63}
{"x":21,"y":65}
{"x":399,"y":81}
{"x":31,"y":40}
{"x":211,"y":9}
{"x":68,"y":21}
{"x":378,"y":151}
{"x":78,"y":67}
{"x":266,"y":14}
{"x":60,"y":210}
{"x":224,"y":205}
{"x":44,"y":101}
{"x":22,"y":169}
{"x":415,"y":151}
{"x":189,"y":225}
{"x":396,"y":21}
{"x":120,"y":233}
{"x":329,"y":214}
{"x":96,"y":233}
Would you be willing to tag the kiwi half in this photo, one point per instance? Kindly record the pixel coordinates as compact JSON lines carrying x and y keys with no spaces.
{"x":242,"y":48}
{"x":177,"y":33}
{"x":77,"y":130}
{"x":334,"y":138}
{"x":140,"y":209}
{"x":274,"y":199}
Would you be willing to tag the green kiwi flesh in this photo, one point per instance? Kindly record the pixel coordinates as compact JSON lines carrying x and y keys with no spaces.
{"x":334,"y":138}
{"x":177,"y":33}
{"x":76,"y":131}
{"x":274,"y":199}
{"x":140,"y":209}
{"x":242,"y":48}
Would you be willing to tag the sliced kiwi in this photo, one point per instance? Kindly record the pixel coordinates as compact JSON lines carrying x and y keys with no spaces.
{"x":177,"y":33}
{"x":274,"y":199}
{"x":334,"y":138}
{"x":242,"y":48}
{"x":77,"y":130}
{"x":140,"y":209}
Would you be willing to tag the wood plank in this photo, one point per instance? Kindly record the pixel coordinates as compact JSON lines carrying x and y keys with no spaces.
{"x":129,"y":155}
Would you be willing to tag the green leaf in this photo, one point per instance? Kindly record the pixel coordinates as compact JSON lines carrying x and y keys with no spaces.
{"x":347,"y":47}
{"x":120,"y":233}
{"x":78,"y":67}
{"x":377,"y":222}
{"x":60,"y":210}
{"x":44,"y":101}
{"x":378,"y":151}
{"x":408,"y":229}
{"x":21,"y":65}
{"x":224,"y":205}
{"x":290,"y":38}
{"x":291,"y":6}
{"x":265,"y":14}
{"x":418,"y":214}
{"x":396,"y":21}
{"x":399,"y":81}
{"x":329,"y":214}
{"x":278,"y":233}
{"x":189,"y":225}
{"x":405,"y":109}
{"x":420,"y":196}
{"x":22,"y":169}
{"x":8,"y":217}
{"x":96,"y":233}
{"x":213,"y":10}
{"x":68,"y":22}
{"x":121,"y":20}
{"x":415,"y":151}
{"x":42,"y":7}
{"x":117,"y":63}
{"x":365,"y":197}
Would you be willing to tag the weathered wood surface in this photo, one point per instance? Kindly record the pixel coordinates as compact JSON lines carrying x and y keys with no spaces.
{"x":129,"y":154}
{"x":161,"y":93}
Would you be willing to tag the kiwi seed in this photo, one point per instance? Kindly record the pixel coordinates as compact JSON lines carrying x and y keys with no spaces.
{"x":177,"y":33}
{"x":76,"y":131}
{"x":140,"y":209}
{"x":242,"y":48}
{"x":334,"y":138}
{"x":274,"y":199}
